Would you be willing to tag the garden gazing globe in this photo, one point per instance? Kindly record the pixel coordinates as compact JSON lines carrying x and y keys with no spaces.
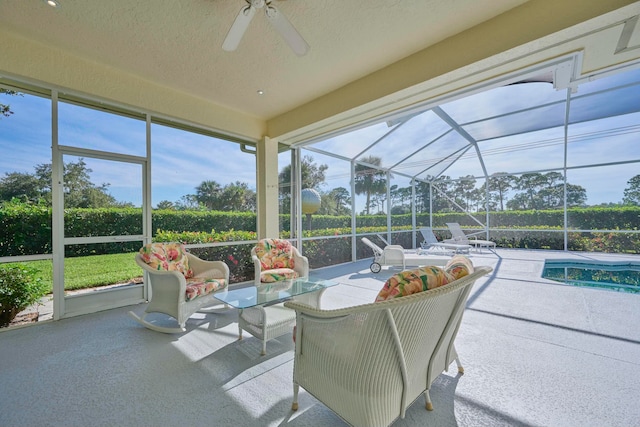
{"x":310,"y":201}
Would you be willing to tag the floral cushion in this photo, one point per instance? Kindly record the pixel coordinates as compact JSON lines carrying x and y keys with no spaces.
{"x":274,"y":253}
{"x":197,"y":287}
{"x":459,"y":266}
{"x":277,"y":274}
{"x":167,"y":257}
{"x":413,"y":281}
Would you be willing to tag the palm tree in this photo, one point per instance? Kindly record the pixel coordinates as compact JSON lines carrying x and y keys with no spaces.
{"x":369,"y":180}
{"x":207,"y":193}
{"x":341,"y":196}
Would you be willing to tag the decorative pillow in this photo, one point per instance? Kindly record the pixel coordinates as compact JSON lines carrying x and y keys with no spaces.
{"x":459,"y":266}
{"x":201,"y":287}
{"x":413,"y":281}
{"x":275,"y":253}
{"x":167,"y":257}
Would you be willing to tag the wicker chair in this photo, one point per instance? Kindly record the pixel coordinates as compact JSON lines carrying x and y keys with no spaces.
{"x":181,"y":283}
{"x":276,"y":262}
{"x":368,"y":363}
{"x":277,"y":259}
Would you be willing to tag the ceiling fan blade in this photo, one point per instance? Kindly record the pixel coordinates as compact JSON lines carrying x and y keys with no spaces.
{"x":286,"y":30}
{"x":238,"y":28}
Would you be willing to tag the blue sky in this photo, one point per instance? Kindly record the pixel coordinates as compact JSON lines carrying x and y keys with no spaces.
{"x":181,"y":160}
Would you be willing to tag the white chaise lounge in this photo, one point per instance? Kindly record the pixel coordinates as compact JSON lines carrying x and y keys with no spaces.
{"x":459,"y":237}
{"x":431,"y":241}
{"x":397,"y":256}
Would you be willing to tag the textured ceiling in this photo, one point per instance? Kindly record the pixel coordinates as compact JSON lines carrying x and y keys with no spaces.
{"x":177,"y":43}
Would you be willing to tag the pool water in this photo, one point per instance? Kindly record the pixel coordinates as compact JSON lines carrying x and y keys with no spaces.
{"x":615,"y":276}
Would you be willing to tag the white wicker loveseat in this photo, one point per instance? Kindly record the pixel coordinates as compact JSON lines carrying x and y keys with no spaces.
{"x":368,"y":363}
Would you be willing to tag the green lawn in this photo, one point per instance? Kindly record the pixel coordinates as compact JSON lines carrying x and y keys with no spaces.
{"x":90,"y":271}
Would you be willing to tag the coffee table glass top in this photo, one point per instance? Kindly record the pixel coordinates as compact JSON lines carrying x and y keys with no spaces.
{"x":271,"y":293}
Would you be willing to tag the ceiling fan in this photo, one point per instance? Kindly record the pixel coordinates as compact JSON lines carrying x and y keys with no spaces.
{"x":275,"y":17}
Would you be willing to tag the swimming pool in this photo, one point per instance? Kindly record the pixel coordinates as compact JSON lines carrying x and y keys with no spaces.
{"x":615,"y":276}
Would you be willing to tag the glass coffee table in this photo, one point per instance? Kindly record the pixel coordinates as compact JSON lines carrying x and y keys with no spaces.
{"x":262,"y":312}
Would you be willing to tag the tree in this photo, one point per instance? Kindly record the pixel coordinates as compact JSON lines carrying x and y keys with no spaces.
{"x":188,"y":202}
{"x":79,"y":191}
{"x":207,"y":194}
{"x":465,"y":194}
{"x":23,"y":186}
{"x":499,"y":184}
{"x":444,"y":191}
{"x":632,"y":192}
{"x":370,"y":180}
{"x":530,"y":183}
{"x":422,"y":197}
{"x":400,"y":199}
{"x":546,"y":191}
{"x":335,"y":202}
{"x":576,"y":195}
{"x":165,"y":204}
{"x":5,"y":109}
{"x":237,"y":196}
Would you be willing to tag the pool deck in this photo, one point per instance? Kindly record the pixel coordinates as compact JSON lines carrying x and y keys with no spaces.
{"x":535,"y":353}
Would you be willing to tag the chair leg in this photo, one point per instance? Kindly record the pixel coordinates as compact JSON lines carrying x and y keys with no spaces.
{"x":294,"y":405}
{"x":428,"y":403}
{"x":156,"y":328}
{"x":239,"y":333}
{"x":460,"y":368}
{"x":264,"y":348}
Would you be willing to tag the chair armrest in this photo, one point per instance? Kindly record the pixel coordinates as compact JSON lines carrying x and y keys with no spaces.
{"x":396,"y":252}
{"x":212,"y":269}
{"x":301,"y":263}
{"x":166,"y":282}
{"x":257,"y":266}
{"x":394,"y":247}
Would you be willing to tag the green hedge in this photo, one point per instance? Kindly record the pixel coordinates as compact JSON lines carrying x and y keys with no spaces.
{"x":27,"y":228}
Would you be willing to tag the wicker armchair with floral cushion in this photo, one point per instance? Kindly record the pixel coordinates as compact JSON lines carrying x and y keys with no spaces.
{"x":277,"y":259}
{"x":180,"y":283}
{"x":370,"y":362}
{"x":276,"y":264}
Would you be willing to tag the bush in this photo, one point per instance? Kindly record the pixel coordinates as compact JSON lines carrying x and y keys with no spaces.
{"x":19,"y":288}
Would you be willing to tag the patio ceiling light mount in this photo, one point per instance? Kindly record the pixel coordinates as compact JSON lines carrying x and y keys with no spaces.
{"x":275,"y":17}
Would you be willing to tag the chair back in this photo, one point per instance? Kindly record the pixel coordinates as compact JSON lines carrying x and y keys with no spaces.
{"x":428,"y":236}
{"x":166,"y":257}
{"x":457,"y":234}
{"x":397,"y":347}
{"x":377,"y":250}
{"x":274,"y":253}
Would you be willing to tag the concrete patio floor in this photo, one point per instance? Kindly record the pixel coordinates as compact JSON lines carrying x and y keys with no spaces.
{"x":535,"y":353}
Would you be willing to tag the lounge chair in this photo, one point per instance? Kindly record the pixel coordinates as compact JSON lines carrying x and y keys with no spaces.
{"x":458,"y":236}
{"x":397,"y":256}
{"x":431,"y":242}
{"x":390,"y":255}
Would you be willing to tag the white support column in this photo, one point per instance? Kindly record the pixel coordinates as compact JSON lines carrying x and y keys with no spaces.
{"x":267,"y":189}
{"x":295,"y":201}
{"x":57,"y":203}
